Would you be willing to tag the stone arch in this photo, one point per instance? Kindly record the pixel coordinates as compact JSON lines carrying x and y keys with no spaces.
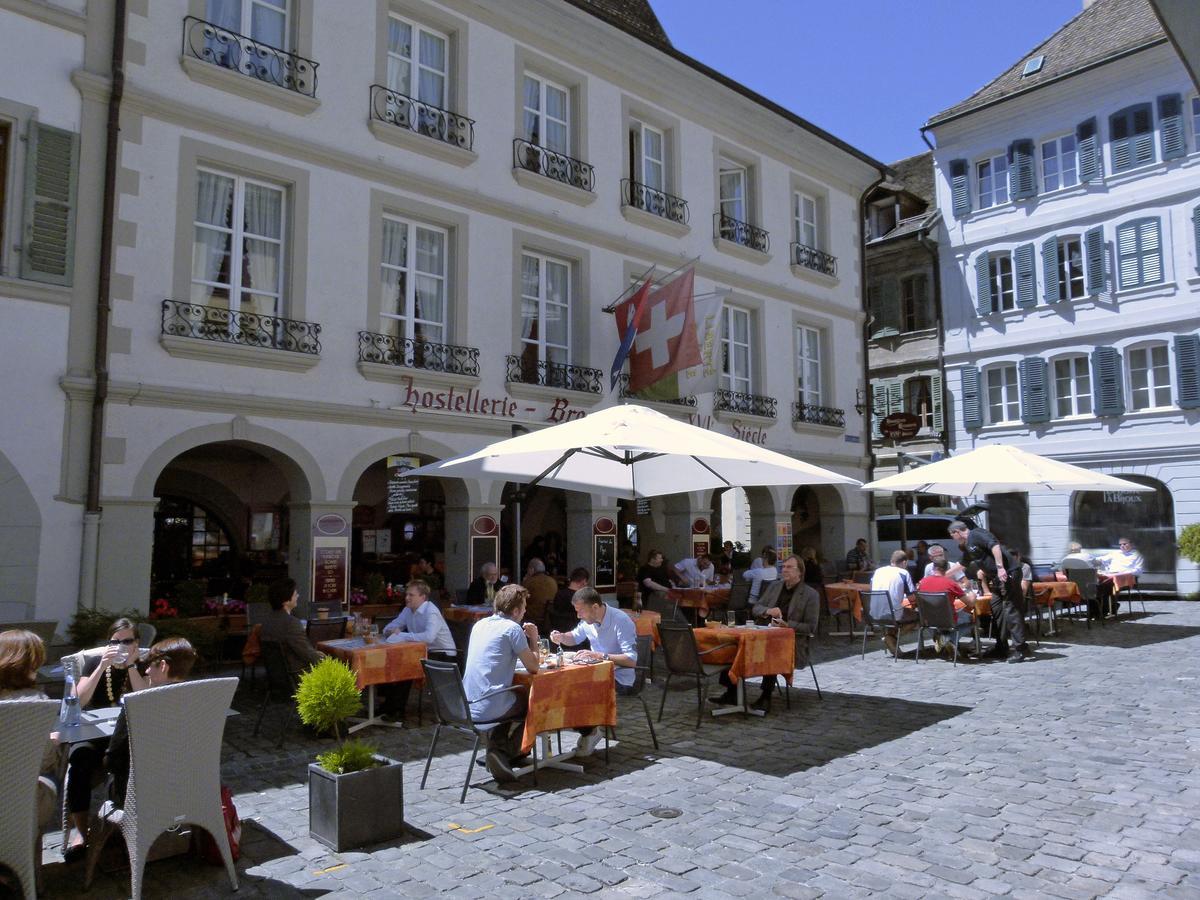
{"x":21,"y":524}
{"x":211,"y":495}
{"x":458,"y":491}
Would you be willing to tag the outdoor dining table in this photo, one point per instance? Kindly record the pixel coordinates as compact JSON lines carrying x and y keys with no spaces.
{"x":846,"y":596}
{"x":377,"y":663}
{"x":575,"y":696}
{"x":1045,"y":593}
{"x":646,"y":622}
{"x":760,"y":650}
{"x":468,"y":614}
{"x":697,"y":598}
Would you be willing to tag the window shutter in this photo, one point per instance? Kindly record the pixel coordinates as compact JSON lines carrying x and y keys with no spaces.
{"x":972,"y":399}
{"x":1108,"y":389}
{"x":1093,"y":259}
{"x":1143,"y":135}
{"x":935,"y":391}
{"x":1170,"y":126}
{"x":1051,"y":289}
{"x":889,"y":308}
{"x":48,"y":245}
{"x":1091,"y":163}
{"x":960,"y":187}
{"x":1035,"y":399}
{"x":1187,"y":371}
{"x":1120,"y":141}
{"x":1196,"y":233}
{"x":879,"y":406}
{"x":895,"y":395}
{"x":1022,"y":182}
{"x":1026,"y":276}
{"x":983,"y":285}
{"x":1150,"y":251}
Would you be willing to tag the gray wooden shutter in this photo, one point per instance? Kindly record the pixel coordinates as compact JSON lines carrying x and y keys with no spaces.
{"x":889,"y":308}
{"x":1120,"y":140}
{"x":960,"y":187}
{"x":983,"y":285}
{"x":1022,"y":181}
{"x":879,"y":405}
{"x":1035,"y":390}
{"x":1051,"y":288}
{"x":1196,"y":233}
{"x":895,"y":394}
{"x":1170,"y":126}
{"x":51,"y":181}
{"x":1108,"y":388}
{"x":1093,"y":259}
{"x":1142,"y":136}
{"x":935,"y":392}
{"x":972,"y":399}
{"x":1026,"y":276}
{"x":1091,"y":162}
{"x":1187,"y":371}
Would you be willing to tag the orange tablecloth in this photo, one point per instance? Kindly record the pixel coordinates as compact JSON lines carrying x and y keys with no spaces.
{"x":760,"y":651}
{"x":846,"y":595}
{"x":1120,"y":582}
{"x":573,"y":697}
{"x":697,"y":597}
{"x":378,"y":663}
{"x":468,"y":614}
{"x":1045,"y":593}
{"x":646,"y":622}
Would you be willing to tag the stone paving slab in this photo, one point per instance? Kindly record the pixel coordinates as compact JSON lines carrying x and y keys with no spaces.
{"x":1071,"y":776}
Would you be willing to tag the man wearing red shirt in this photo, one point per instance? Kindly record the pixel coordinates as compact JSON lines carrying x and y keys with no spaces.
{"x":941,"y":583}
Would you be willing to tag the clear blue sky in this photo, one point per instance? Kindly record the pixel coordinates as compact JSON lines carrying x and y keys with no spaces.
{"x":870,"y":72}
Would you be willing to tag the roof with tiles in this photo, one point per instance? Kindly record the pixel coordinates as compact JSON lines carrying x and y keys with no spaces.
{"x":635,"y":15}
{"x":1103,"y":31}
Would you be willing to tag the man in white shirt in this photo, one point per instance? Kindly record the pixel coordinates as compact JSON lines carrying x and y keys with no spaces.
{"x":1126,"y":560}
{"x":697,"y":571}
{"x":895,"y":581}
{"x":953,"y":570}
{"x":422,"y":621}
{"x":763,"y":574}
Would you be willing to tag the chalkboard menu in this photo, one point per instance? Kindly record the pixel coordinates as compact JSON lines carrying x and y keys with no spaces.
{"x":402,"y":492}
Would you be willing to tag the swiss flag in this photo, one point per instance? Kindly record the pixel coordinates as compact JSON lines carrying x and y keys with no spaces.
{"x":666,"y":340}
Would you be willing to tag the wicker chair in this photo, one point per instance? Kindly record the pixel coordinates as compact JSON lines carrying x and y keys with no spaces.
{"x":25,"y":727}
{"x":172,"y":729}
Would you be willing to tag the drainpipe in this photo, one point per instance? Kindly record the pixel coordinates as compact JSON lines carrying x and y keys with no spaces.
{"x":932,"y":249}
{"x":91,"y":515}
{"x":867,"y":402}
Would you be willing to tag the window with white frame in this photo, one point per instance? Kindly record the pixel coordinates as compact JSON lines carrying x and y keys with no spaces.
{"x":918,"y":399}
{"x":1072,"y":387}
{"x":1060,"y":163}
{"x":914,"y":302}
{"x":1070,"y":268}
{"x":992,"y":178}
{"x":413,"y":279}
{"x":733,"y":179}
{"x":735,"y":349}
{"x":647,"y":156}
{"x":418,"y":61}
{"x":1149,"y":377}
{"x":804,"y":214}
{"x":546,"y":117}
{"x":1003,"y":397}
{"x":237,"y":243}
{"x":264,"y":21}
{"x":545,"y":309}
{"x":1139,"y":253}
{"x":1001,"y":273}
{"x":808,"y":365}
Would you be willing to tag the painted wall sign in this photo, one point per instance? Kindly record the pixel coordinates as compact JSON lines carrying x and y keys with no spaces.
{"x":472,"y":402}
{"x":330,"y":524}
{"x":751,"y":434}
{"x":403,"y":493}
{"x":900,"y":426}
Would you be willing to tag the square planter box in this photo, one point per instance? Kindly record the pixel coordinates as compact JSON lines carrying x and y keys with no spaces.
{"x":349,"y":811}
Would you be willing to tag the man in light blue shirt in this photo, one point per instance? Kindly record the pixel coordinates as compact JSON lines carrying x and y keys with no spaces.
{"x":422,"y":621}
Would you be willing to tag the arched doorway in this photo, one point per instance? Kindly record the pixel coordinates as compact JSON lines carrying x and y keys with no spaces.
{"x":1099,"y":518}
{"x":543,"y":530}
{"x":818,"y":522}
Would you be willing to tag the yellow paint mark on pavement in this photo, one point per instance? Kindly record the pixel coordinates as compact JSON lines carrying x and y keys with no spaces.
{"x":454,"y":826}
{"x":330,"y":869}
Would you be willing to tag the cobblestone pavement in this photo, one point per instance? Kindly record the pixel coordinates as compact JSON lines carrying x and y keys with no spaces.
{"x":1071,"y":776}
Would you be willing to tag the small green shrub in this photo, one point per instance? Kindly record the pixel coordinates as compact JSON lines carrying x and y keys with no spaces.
{"x":327,"y":696}
{"x":376,"y":588}
{"x":1189,"y":542}
{"x":352,"y":756}
{"x":89,"y":627}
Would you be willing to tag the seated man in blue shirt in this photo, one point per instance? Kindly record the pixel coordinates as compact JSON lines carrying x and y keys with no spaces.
{"x":422,"y":621}
{"x":611,"y":635}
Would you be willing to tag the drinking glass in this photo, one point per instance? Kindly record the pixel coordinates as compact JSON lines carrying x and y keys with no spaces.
{"x":730,"y":618}
{"x":543,"y":648}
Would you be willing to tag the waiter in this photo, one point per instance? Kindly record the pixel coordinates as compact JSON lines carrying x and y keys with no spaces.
{"x":986,"y":556}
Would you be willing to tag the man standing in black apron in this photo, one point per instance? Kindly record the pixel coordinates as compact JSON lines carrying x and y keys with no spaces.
{"x":984,"y":556}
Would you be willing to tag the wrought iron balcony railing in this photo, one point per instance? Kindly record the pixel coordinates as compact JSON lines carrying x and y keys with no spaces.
{"x":553,"y":165}
{"x":216,"y":323}
{"x":229,"y":50}
{"x":554,"y":375}
{"x":423,"y":118}
{"x":746,"y":404}
{"x":812,"y":258}
{"x":389,"y":350}
{"x":818,"y":415}
{"x":658,"y":203}
{"x":742,"y":233}
{"x":625,"y":394}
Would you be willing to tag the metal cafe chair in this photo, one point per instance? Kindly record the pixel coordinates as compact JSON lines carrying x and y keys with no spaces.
{"x":879,"y":615}
{"x":644,"y":645}
{"x":326,"y":629}
{"x":935,"y":612}
{"x":739,"y":601}
{"x":1085,"y":579}
{"x":685,"y":659}
{"x":281,"y":686}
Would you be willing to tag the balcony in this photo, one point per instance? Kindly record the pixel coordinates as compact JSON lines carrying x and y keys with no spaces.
{"x":745,"y":404}
{"x":656,"y":203}
{"x":808,"y":414}
{"x":232,"y":52}
{"x":811,"y":258}
{"x":220,"y":334}
{"x":743,"y":234}
{"x":553,"y":375}
{"x":625,"y":394}
{"x":388,"y":350}
{"x":556,"y":167}
{"x":412,"y":117}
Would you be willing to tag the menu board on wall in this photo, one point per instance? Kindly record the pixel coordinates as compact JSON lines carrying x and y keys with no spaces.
{"x":402,"y":491}
{"x":329,"y":573}
{"x":606,"y":560}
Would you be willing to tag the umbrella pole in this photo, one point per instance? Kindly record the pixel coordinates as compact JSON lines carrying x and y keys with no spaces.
{"x":516,"y":537}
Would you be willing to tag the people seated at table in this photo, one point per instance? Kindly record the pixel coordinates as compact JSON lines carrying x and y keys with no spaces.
{"x":858,"y":559}
{"x":814,"y":573}
{"x":421,"y":621}
{"x":497,"y":643}
{"x":280,"y":626}
{"x":940,"y":582}
{"x":22,"y":653}
{"x":787,"y":601}
{"x":611,"y":635}
{"x":894,"y":580}
{"x":425,"y":568}
{"x":764,"y":574}
{"x":696,"y":571}
{"x":986,"y":557}
{"x":1025,"y":568}
{"x":1077,"y":558}
{"x":1125,"y":560}
{"x":654,"y":577}
{"x":542,"y":588}
{"x":482,"y":591}
{"x":953,"y":570}
{"x":562,"y":610}
{"x":918,"y":560}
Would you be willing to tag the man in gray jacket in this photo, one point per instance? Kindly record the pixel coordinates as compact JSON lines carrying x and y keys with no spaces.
{"x":788,"y":601}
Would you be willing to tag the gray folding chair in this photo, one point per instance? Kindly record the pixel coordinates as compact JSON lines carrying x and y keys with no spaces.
{"x":25,"y":727}
{"x":319,"y":630}
{"x":739,"y":600}
{"x":685,"y":659}
{"x":936,"y":614}
{"x":879,"y":615}
{"x":1085,"y":579}
{"x":644,"y":645}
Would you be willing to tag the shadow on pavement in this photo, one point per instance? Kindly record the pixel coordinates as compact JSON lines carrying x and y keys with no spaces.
{"x":1116,"y":634}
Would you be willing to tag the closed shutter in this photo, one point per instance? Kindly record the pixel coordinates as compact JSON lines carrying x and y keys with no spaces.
{"x":1051,"y":289}
{"x":1108,"y":388}
{"x":879,"y":405}
{"x":895,"y":392}
{"x":1026,"y":276}
{"x":972,"y":402}
{"x":1170,"y":126}
{"x":1120,"y":142}
{"x":1091,"y":162}
{"x":1022,"y":182}
{"x":1143,"y":135}
{"x":1127,"y":255}
{"x":1150,"y":250}
{"x":1196,"y":233}
{"x":1093,"y":259}
{"x":888,"y":322}
{"x":960,"y":187}
{"x":1131,"y":137}
{"x":983,"y":285}
{"x":1035,"y":390}
{"x":939,"y":413}
{"x":48,"y":245}
{"x":1187,"y":371}
{"x":1139,"y":253}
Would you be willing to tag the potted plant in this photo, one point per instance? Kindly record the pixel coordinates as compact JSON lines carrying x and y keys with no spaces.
{"x":355,"y":795}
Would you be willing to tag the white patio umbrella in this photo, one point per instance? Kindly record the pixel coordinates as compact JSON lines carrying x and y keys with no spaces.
{"x":999,"y":468}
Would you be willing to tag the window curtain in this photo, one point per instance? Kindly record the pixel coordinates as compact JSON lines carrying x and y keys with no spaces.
{"x":214,"y":206}
{"x":399,"y":55}
{"x":263,"y":219}
{"x":531,"y":93}
{"x":429,"y":301}
{"x":394,"y":275}
{"x":431,"y":83}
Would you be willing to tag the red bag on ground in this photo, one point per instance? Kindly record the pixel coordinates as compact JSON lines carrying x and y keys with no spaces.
{"x":209,"y":851}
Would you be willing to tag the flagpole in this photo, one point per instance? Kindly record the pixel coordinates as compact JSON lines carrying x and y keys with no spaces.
{"x":612,"y":307}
